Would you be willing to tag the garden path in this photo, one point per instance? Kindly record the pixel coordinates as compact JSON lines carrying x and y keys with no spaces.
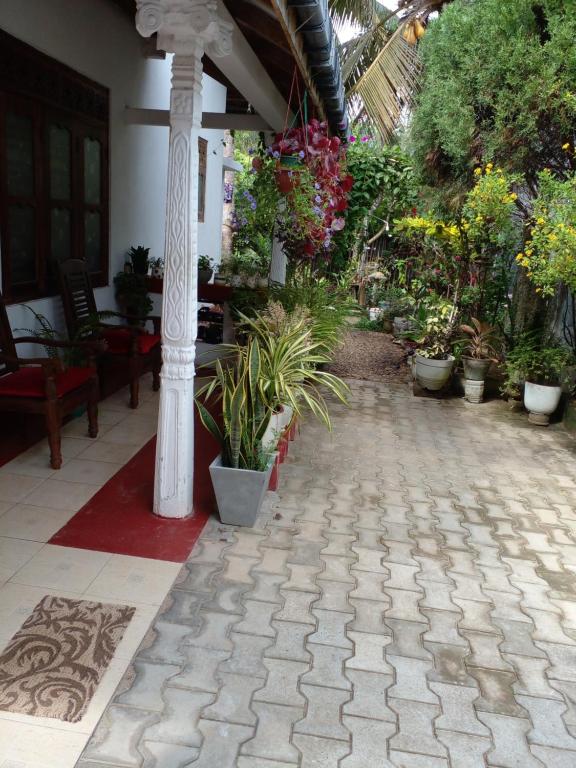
{"x":370,"y":356}
{"x":407,"y":600}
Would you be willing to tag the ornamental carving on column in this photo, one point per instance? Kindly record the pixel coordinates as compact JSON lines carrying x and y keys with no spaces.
{"x":181,"y":25}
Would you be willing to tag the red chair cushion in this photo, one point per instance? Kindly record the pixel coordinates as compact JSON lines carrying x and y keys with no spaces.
{"x":119,"y":341}
{"x":29,"y":382}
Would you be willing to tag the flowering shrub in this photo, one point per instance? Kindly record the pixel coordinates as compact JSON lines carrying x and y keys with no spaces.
{"x":469,"y":255}
{"x":549,"y":256}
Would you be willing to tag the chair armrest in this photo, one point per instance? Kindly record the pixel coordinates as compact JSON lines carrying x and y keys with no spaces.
{"x":50,"y":365}
{"x":97,"y":345}
{"x":154,"y":319}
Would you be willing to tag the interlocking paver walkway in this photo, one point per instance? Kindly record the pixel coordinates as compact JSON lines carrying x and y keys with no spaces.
{"x":407,"y":600}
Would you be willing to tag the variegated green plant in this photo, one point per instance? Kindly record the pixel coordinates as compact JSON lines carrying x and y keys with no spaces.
{"x":289,"y":365}
{"x":245,"y":413}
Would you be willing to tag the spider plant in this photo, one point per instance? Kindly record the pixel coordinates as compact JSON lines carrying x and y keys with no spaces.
{"x":245,"y":414}
{"x":290,"y":356}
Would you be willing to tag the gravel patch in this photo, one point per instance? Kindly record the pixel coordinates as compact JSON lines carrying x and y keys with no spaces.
{"x":371,"y":356}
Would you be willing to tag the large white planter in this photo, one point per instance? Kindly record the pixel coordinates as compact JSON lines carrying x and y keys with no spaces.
{"x":541,"y":401}
{"x":239,"y":492}
{"x":278,"y":423}
{"x":432,"y":374}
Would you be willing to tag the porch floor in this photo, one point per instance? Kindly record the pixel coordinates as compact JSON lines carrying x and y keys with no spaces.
{"x":408,"y":599}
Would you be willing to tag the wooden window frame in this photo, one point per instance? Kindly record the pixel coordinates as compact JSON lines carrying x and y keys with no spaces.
{"x":53,"y":94}
{"x":202,"y":170}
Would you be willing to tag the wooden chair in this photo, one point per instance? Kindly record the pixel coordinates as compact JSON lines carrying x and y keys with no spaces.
{"x":141,"y":350}
{"x":43,"y":385}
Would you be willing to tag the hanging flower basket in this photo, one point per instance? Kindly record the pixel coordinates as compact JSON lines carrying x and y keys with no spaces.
{"x":289,"y":161}
{"x":287,"y":179}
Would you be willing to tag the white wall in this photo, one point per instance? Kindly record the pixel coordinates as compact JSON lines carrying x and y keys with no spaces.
{"x":97,"y":39}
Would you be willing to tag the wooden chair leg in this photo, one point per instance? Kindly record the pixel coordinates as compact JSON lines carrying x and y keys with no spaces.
{"x":93,"y":411}
{"x":134,"y":382}
{"x":53,"y":425}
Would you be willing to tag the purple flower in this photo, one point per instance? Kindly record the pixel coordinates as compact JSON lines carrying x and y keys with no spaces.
{"x":318,"y":211}
{"x":302,"y":154}
{"x":351,"y":139}
{"x":244,"y":221}
{"x":276,"y":154}
{"x":317,"y":199}
{"x":253,"y":205}
{"x":317,"y":186}
{"x":251,"y":151}
{"x":365,"y":138}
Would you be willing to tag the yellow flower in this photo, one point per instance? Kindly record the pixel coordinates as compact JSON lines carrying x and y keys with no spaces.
{"x":538,"y":290}
{"x":529,"y":252}
{"x":540,"y":221}
{"x":513,"y":196}
{"x":525,"y":262}
{"x":478,"y":172}
{"x":519,"y":257}
{"x":490,"y":166}
{"x":566,"y":146}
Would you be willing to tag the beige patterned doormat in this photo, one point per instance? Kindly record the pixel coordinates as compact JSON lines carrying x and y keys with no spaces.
{"x":53,"y":664}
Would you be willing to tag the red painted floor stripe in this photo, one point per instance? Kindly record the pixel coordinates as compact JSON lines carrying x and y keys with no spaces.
{"x":119,"y":518}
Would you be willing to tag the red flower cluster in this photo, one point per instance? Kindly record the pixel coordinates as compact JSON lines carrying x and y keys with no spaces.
{"x":322,"y":155}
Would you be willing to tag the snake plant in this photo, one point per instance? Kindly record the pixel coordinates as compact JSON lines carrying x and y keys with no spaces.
{"x":245,"y":414}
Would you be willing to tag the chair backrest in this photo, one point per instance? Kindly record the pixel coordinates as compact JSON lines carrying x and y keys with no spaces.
{"x":7,"y":346}
{"x":77,"y":294}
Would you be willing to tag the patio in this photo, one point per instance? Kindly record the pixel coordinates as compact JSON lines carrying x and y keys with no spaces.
{"x":408,"y":607}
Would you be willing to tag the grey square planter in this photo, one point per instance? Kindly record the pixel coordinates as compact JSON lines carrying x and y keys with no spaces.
{"x":239,"y":492}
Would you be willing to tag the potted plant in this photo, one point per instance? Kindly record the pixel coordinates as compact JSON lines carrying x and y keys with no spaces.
{"x":544,"y":370}
{"x":241,"y":473}
{"x":157,"y":267}
{"x":433,"y":361}
{"x":139,"y":259}
{"x":205,"y":270}
{"x":132,"y":293}
{"x":480,"y":346}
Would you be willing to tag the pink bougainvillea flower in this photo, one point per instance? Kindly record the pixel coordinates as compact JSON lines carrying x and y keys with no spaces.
{"x":351,"y":139}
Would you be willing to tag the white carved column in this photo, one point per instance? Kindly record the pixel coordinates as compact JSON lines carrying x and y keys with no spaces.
{"x":186,"y":28}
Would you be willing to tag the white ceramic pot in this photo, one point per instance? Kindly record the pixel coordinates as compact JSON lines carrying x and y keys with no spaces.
{"x":273,"y":432}
{"x":473,"y":390}
{"x":250,"y":281}
{"x":541,"y":401}
{"x":432,"y":374}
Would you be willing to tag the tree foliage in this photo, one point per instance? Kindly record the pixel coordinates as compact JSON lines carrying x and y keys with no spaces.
{"x":499,"y":84}
{"x":383,"y":190}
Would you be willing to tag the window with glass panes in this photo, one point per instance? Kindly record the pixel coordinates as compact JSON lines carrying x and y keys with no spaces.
{"x":53,"y":171}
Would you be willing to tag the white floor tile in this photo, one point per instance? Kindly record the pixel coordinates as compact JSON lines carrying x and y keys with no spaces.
{"x":134,"y":579}
{"x":35,"y":462}
{"x":82,"y":470}
{"x":14,"y":488}
{"x":101,"y":450}
{"x":62,"y":568}
{"x":59,"y":494}
{"x":79,"y":428}
{"x":32,"y":746}
{"x":17,"y":601}
{"x":30,"y":523}
{"x":5,"y":506}
{"x":14,"y":554}
{"x":137,"y":433}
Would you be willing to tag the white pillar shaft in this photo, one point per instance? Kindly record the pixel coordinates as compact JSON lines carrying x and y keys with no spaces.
{"x":173,"y":490}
